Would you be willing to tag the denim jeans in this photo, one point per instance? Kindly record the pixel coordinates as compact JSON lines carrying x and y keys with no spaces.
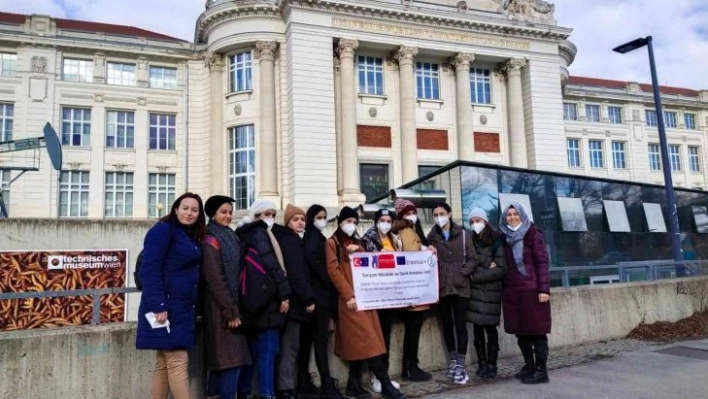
{"x":264,"y":349}
{"x":223,"y":383}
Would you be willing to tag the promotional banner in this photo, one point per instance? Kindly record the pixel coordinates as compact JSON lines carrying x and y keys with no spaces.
{"x":33,"y":271}
{"x":386,"y":280}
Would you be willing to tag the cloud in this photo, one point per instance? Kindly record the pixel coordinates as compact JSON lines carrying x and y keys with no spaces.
{"x":678,"y":29}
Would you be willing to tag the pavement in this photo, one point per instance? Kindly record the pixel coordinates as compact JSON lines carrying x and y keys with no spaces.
{"x":616,"y":369}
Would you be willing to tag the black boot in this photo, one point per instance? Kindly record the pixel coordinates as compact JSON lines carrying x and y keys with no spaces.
{"x":481,"y":357}
{"x":529,"y":367}
{"x":330,"y":390}
{"x":355,"y":389}
{"x":490,"y":372}
{"x":540,"y":374}
{"x":388,"y":391}
{"x":306,"y":389}
{"x":411,"y":372}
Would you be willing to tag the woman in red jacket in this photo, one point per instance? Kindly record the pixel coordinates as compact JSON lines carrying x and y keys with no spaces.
{"x":526,"y":298}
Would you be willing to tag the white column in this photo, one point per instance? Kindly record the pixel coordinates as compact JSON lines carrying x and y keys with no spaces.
{"x":350,"y":159}
{"x":517,"y":128}
{"x":465,"y":137}
{"x":267,"y":153}
{"x":409,"y":142}
{"x":217,"y":141}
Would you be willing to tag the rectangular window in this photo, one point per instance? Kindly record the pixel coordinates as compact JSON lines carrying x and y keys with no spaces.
{"x":240,"y":73}
{"x":615,"y":114}
{"x":573,"y":148}
{"x":77,"y":70}
{"x":670,"y":119}
{"x":5,"y":177}
{"x":242,"y":165}
{"x":370,"y":75}
{"x":73,"y":194}
{"x":162,"y":132}
{"x":7,"y":118}
{"x":654,"y":157}
{"x":119,"y":194}
{"x":373,"y":180}
{"x":650,"y":117}
{"x":163,"y":77}
{"x":675,"y":157}
{"x":161,"y":193}
{"x":426,"y":170}
{"x":592,"y":112}
{"x":480,"y":86}
{"x":694,"y":159}
{"x":8,"y":64}
{"x":76,"y":127}
{"x":427,"y":80}
{"x":689,"y":120}
{"x":597,"y":159}
{"x":570,"y":112}
{"x":618,"y":157}
{"x":120,"y":74}
{"x":120,"y":129}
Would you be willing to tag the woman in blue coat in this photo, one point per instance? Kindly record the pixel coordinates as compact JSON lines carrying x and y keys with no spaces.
{"x":170,"y":277}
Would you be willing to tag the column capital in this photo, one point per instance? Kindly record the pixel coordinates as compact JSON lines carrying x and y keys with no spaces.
{"x":214,"y":61}
{"x":461,"y":60}
{"x":346,"y":48}
{"x":405,"y":54}
{"x":513,"y":65}
{"x":265,"y":50}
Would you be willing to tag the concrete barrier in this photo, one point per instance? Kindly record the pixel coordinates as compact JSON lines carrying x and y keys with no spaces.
{"x":101,"y":362}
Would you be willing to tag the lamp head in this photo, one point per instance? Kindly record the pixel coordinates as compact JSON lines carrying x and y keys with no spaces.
{"x":633,"y":45}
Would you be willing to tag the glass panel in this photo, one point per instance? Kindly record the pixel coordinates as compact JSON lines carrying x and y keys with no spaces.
{"x":616,"y":216}
{"x":572,"y":214}
{"x":655,"y":218}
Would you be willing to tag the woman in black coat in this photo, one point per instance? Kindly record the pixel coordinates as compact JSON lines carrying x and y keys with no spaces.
{"x":484,"y":306}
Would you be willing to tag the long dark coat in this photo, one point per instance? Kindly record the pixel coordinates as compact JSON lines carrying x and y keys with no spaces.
{"x":316,"y":262}
{"x":224,"y":348}
{"x":170,"y":276}
{"x":456,"y":260}
{"x":358,"y":335}
{"x":484,"y":307}
{"x":297,"y":271}
{"x":523,"y":313}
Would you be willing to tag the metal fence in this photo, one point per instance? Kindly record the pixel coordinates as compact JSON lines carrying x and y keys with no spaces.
{"x":626,"y":272}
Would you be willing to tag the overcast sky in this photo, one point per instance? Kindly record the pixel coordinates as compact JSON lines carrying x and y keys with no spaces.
{"x":679,"y":28}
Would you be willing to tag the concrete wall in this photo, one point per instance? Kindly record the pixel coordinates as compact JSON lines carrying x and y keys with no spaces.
{"x":101,"y":362}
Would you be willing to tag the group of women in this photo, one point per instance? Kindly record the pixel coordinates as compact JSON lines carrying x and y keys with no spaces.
{"x":190,"y":262}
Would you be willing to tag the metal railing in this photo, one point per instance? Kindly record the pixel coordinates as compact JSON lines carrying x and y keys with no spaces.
{"x":625,"y":272}
{"x":94,"y":293}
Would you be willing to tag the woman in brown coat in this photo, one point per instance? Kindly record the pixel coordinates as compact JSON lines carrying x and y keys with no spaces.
{"x":358,"y":335}
{"x":226,"y":349}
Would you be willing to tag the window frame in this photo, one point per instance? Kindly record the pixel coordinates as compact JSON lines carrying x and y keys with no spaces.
{"x":7,"y":121}
{"x":610,"y":114}
{"x":247,"y":173}
{"x":161,"y":132}
{"x":160,"y":82}
{"x":577,"y":152}
{"x":163,"y":193}
{"x":370,"y":67}
{"x":692,"y":125}
{"x":8,"y":64}
{"x":383,"y":167}
{"x":653,"y":121}
{"x":427,"y":80}
{"x":654,"y":157}
{"x":675,"y":157}
{"x":83,"y":125}
{"x":73,"y":189}
{"x":694,"y":158}
{"x":124,"y":74}
{"x":596,"y":117}
{"x":83,"y":65}
{"x":113,"y":190}
{"x":593,"y":152}
{"x":671,"y":122}
{"x":244,"y":66}
{"x":483,"y":77}
{"x":619,"y":155}
{"x":128,"y":129}
{"x":568,"y":107}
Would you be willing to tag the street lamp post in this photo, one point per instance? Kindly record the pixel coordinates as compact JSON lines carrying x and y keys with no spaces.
{"x":676,"y":248}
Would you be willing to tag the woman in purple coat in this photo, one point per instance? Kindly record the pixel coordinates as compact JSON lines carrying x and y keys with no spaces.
{"x":526,"y":299}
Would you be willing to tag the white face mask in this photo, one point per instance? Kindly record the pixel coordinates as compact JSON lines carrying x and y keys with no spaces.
{"x":348,"y":228}
{"x":412,"y":218}
{"x":320,"y":224}
{"x":384,"y":227}
{"x":442,"y":221}
{"x":478,"y":227}
{"x":269,"y":221}
{"x":513,"y":228}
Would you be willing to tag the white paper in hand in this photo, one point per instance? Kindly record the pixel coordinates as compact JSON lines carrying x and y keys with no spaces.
{"x":152,"y":319}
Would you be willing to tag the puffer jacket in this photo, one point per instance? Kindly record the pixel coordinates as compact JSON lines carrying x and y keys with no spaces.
{"x":456,"y":260}
{"x":484,"y":306}
{"x":372,"y":241}
{"x":297,"y":272}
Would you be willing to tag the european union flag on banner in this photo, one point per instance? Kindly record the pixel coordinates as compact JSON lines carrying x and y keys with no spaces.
{"x":400,"y":260}
{"x":361,"y":262}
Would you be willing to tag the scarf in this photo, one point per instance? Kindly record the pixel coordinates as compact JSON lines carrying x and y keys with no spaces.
{"x":516,"y":238}
{"x":230,"y":248}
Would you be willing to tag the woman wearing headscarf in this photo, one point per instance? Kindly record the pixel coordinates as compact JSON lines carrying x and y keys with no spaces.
{"x":527,"y":292}
{"x":358,"y":334}
{"x":302,"y":299}
{"x":456,"y":261}
{"x":316,"y":328}
{"x":225,"y":347}
{"x":264,"y":340}
{"x":377,"y":239}
{"x":484,"y":306}
{"x":409,"y":229}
